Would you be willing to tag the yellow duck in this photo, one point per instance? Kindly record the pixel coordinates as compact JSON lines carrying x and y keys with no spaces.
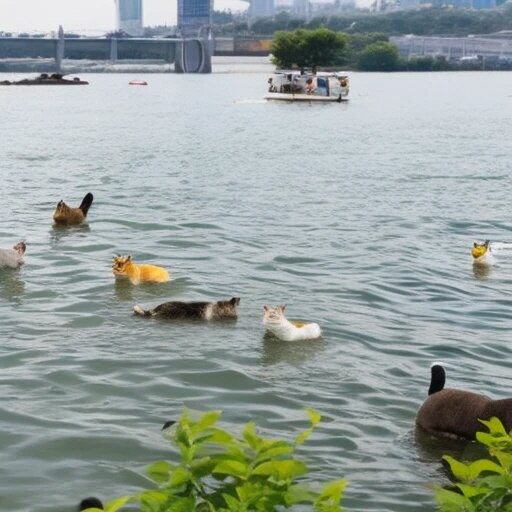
{"x":123,"y":266}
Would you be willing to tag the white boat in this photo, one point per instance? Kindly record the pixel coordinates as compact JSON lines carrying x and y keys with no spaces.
{"x":294,"y":86}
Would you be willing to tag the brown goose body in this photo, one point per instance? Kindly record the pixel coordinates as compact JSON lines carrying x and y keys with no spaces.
{"x":455,"y":413}
{"x":67,"y":216}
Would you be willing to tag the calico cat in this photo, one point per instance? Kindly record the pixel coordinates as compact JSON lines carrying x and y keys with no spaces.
{"x":220,"y":310}
{"x":66,"y":216}
{"x":124,"y":266}
{"x":276,"y":323}
{"x":482,"y":254}
{"x":13,"y":258}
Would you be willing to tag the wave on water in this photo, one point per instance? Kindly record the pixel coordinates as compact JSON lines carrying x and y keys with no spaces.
{"x":501,"y":246}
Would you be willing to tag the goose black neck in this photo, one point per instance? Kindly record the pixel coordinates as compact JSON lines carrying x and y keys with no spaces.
{"x":437,"y":380}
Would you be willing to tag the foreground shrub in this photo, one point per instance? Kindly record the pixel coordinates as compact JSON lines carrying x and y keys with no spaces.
{"x":486,"y":484}
{"x":220,"y":472}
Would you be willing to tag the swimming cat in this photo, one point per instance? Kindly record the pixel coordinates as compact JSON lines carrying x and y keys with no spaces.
{"x":276,"y":323}
{"x":220,"y":310}
{"x":455,"y":413}
{"x":67,"y":216}
{"x":13,"y":258}
{"x":124,"y":266}
{"x":482,"y":254}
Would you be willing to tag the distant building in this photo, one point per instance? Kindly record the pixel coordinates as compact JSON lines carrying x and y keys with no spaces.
{"x":261,"y":9}
{"x":129,"y":17}
{"x":194,"y":17}
{"x":302,"y":9}
{"x":488,"y":46}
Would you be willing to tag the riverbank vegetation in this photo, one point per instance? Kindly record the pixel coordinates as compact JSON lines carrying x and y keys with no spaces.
{"x":217,"y":471}
{"x":427,"y":21}
{"x":484,"y":485}
{"x":326,"y":48}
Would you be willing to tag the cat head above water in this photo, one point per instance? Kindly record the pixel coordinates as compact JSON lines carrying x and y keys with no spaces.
{"x":479,"y":250}
{"x":119,"y":267}
{"x":226,"y":308}
{"x":20,"y":248}
{"x":62,"y":208}
{"x":273,"y":315}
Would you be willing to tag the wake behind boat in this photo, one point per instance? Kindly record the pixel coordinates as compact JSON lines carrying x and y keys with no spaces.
{"x":294,"y":86}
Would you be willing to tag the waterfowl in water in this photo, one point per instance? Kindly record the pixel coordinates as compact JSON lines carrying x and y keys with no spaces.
{"x":454,"y":413}
{"x":64,"y":215}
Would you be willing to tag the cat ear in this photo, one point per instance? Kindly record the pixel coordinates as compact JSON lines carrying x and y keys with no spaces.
{"x":265,"y":308}
{"x":282,"y":307}
{"x":129,"y":257}
{"x":235,"y":301}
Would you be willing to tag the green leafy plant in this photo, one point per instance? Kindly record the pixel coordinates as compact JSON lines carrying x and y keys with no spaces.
{"x":220,"y":472}
{"x":486,"y":484}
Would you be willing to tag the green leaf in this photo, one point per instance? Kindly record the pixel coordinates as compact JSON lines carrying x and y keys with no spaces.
{"x":314,"y":416}
{"x":232,"y":468}
{"x":302,"y":437}
{"x":159,"y":471}
{"x":281,"y":469}
{"x":152,"y":501}
{"x":332,"y":493}
{"x":182,"y":504}
{"x":299,"y":494}
{"x":249,"y":434}
{"x":484,"y":465}
{"x":459,"y":469}
{"x":453,"y":501}
{"x":470,"y":490}
{"x":114,"y":505}
{"x":207,"y":420}
{"x":279,"y":448}
{"x":495,"y":426}
{"x":179,"y":477}
{"x":231,"y":502}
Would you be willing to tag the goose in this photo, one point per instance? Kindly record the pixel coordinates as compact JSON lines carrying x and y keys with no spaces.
{"x":454,"y":413}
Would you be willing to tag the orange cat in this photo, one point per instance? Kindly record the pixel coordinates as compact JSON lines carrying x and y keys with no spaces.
{"x":68,"y":216}
{"x":123,"y":266}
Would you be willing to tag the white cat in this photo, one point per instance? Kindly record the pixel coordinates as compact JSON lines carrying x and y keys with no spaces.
{"x":13,"y":258}
{"x":276,"y":323}
{"x":482,"y":254}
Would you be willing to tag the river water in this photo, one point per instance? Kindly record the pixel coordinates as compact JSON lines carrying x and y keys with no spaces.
{"x":358,"y":216}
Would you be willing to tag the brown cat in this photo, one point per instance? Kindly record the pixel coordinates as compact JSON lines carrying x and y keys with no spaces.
{"x":66,"y":216}
{"x":223,"y":309}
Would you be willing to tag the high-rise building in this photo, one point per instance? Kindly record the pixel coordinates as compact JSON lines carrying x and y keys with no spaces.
{"x":260,"y":9}
{"x":129,"y":16}
{"x":194,"y":17}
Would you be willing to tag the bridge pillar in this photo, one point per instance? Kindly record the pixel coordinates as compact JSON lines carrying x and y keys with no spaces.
{"x":194,"y":56}
{"x":59,"y":50}
{"x":113,"y":49}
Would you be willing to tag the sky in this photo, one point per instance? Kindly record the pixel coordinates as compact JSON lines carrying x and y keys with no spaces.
{"x":82,"y":15}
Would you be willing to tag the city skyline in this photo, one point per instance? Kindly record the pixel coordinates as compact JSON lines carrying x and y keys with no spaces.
{"x":86,"y":15}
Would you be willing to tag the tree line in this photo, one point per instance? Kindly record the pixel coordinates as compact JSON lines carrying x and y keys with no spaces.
{"x":325,"y":48}
{"x":440,"y":21}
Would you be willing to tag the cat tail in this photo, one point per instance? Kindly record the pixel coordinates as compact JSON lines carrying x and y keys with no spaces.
{"x":86,"y":203}
{"x":141,"y":312}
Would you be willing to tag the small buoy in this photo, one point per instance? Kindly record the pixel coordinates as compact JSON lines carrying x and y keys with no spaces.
{"x":138,"y":82}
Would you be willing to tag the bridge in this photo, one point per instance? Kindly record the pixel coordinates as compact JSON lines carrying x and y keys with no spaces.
{"x":189,"y":55}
